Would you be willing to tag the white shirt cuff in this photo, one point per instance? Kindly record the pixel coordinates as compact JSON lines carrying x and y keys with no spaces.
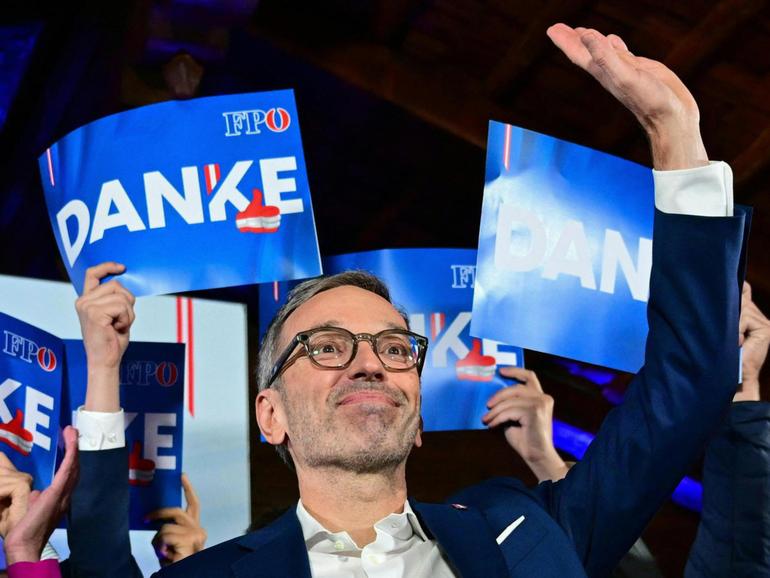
{"x":702,"y":191}
{"x":99,"y":430}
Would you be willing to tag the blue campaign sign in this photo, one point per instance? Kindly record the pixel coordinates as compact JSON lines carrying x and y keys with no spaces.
{"x":31,"y":372}
{"x":152,"y":396}
{"x":565,"y":249}
{"x":194,"y":194}
{"x":435,"y":287}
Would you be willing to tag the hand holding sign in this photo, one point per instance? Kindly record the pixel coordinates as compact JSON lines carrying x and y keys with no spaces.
{"x":754,"y":337}
{"x":653,"y":93}
{"x":106,"y":312}
{"x":531,"y":434}
{"x":42,"y":510}
{"x":15,"y":487}
{"x":183,"y":537}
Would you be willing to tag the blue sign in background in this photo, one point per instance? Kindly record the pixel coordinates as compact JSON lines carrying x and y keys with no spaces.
{"x":152,"y":397}
{"x":565,"y":235}
{"x":435,"y":287}
{"x":429,"y":283}
{"x":31,"y":373}
{"x":160,"y":166}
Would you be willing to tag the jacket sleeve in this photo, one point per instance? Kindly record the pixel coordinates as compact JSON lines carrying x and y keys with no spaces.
{"x":646,"y":445}
{"x":734,"y":533}
{"x":97,"y":524}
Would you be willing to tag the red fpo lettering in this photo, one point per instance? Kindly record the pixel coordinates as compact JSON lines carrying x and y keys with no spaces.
{"x":166,"y":373}
{"x":46,"y":359}
{"x":277,"y":119}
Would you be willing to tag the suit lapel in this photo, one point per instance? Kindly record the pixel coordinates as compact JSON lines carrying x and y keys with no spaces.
{"x":465,"y":536}
{"x":277,"y":550}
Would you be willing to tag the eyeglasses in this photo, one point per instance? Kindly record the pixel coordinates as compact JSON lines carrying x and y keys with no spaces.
{"x":335,"y":348}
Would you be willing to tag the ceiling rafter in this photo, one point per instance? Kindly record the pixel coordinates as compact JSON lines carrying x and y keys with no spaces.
{"x":527,"y":49}
{"x":710,"y":34}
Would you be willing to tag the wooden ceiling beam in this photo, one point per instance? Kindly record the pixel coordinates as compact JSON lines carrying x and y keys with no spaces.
{"x":527,"y":49}
{"x":720,"y":24}
{"x":752,"y":161}
{"x":708,"y":36}
{"x":455,"y":104}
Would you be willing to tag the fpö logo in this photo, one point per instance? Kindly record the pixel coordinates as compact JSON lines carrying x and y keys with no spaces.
{"x":250,"y":122}
{"x":144,"y":373}
{"x":27,"y":350}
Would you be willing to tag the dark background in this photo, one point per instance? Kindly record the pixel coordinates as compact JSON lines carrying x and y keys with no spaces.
{"x":394,"y":98}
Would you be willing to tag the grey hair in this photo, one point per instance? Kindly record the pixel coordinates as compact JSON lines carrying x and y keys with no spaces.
{"x":297,"y":297}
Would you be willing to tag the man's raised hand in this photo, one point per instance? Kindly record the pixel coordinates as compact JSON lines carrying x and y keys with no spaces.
{"x":654,"y":94}
{"x":106,"y":312}
{"x":754,"y":337}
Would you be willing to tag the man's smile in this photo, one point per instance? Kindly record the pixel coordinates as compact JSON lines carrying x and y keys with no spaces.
{"x":368,"y":397}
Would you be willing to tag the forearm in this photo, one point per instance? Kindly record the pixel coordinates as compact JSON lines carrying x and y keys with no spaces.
{"x":549,"y":466}
{"x":103,"y":389}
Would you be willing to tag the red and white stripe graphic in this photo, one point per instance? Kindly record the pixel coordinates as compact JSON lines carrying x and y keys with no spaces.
{"x":212,"y":176}
{"x":184,"y":334}
{"x":507,"y":147}
{"x":276,"y":293}
{"x":50,"y":166}
{"x":437,"y":323}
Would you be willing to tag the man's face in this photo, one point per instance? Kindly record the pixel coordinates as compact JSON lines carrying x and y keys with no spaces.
{"x":363,"y":418}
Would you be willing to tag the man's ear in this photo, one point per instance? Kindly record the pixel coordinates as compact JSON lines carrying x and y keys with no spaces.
{"x":270,"y":416}
{"x":418,"y":437}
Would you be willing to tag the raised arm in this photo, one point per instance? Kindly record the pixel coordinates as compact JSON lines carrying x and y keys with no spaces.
{"x":646,"y":445}
{"x":98,"y":522}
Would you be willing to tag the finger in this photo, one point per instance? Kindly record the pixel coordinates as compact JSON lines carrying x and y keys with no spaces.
{"x":746,"y":290}
{"x":15,"y":488}
{"x":513,"y":415}
{"x":515,"y":391}
{"x":177,"y":515}
{"x":193,"y":503}
{"x":96,"y":273}
{"x":518,"y":405}
{"x":568,"y":41}
{"x":113,"y":286}
{"x":66,"y":476}
{"x":112,"y":310}
{"x":5,"y":462}
{"x":605,"y":64}
{"x":617,"y":42}
{"x":752,"y":319}
{"x":174,"y":534}
{"x":524,"y":375}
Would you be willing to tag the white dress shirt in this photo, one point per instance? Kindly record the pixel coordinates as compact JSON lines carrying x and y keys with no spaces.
{"x":401,"y":549}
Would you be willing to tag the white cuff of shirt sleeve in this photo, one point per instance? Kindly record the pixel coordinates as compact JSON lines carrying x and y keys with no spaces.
{"x":702,"y":191}
{"x":99,"y":430}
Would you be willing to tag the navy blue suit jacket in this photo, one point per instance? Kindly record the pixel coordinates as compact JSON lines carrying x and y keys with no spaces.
{"x":97,"y":522}
{"x":583,"y":524}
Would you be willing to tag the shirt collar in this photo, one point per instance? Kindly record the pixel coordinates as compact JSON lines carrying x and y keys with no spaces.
{"x":313,"y":531}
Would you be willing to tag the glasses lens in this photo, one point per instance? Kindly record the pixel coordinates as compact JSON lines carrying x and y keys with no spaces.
{"x":398,"y":350}
{"x":330,"y":348}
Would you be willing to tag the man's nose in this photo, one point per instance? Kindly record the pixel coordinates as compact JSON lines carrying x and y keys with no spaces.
{"x":366,"y":364}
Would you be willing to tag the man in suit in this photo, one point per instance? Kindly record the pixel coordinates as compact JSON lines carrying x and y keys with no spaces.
{"x":339,"y":395}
